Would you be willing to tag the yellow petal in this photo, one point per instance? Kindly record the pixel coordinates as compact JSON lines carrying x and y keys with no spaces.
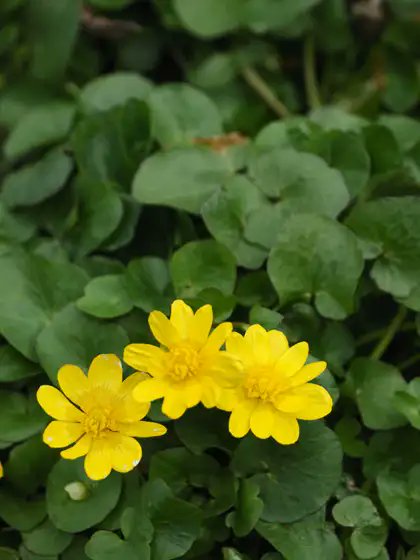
{"x":131,"y":382}
{"x":79,"y":449}
{"x":236,"y":346}
{"x":201,"y":325}
{"x":307,"y":373}
{"x":217,"y":338}
{"x":130,"y":410}
{"x":142,"y":429}
{"x":56,"y":405}
{"x":181,"y":317}
{"x":73,"y":382}
{"x":126,"y":453}
{"x":278,"y":343}
{"x":262,"y":420}
{"x":292,"y":360}
{"x":239,"y":421}
{"x":192,"y":393}
{"x":285,"y":429}
{"x":62,"y":434}
{"x":307,"y":402}
{"x":258,"y":342}
{"x":225,"y":369}
{"x":228,"y":399}
{"x":98,"y":461}
{"x":149,"y":390}
{"x":163,"y":330}
{"x":1,"y":471}
{"x":173,"y":405}
{"x":105,"y":371}
{"x":145,"y":357}
{"x":210,"y":393}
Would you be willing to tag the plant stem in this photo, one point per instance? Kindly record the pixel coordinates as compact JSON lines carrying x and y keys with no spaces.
{"x":260,"y":86}
{"x":373,"y":335}
{"x":311,"y":82}
{"x":409,"y":362}
{"x":389,"y":333}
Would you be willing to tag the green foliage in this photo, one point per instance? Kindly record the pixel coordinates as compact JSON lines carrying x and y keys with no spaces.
{"x":262,"y":156}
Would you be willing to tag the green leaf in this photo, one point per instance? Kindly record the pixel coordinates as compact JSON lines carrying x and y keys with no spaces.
{"x":182,"y":178}
{"x":347,"y":429}
{"x":53,"y":29}
{"x":147,"y":281}
{"x":223,"y":305}
{"x":348,"y":154}
{"x":225,"y":215}
{"x":181,"y":114}
{"x":395,"y":449}
{"x":108,"y":146}
{"x":201,"y":429}
{"x":14,"y":366}
{"x":179,"y":468}
{"x":14,"y":228}
{"x":255,"y":288}
{"x":74,"y":516}
{"x":308,"y":539}
{"x":248,"y":509}
{"x":39,"y":127}
{"x":99,"y":214}
{"x":389,"y":230}
{"x":375,"y":384}
{"x":209,"y":18}
{"x":406,"y":130}
{"x":266,"y":15}
{"x":176,"y":523}
{"x":29,"y":296}
{"x":368,"y":541}
{"x":46,"y":539}
{"x":20,"y":416}
{"x":74,"y":338}
{"x":202,"y":264}
{"x":302,"y":181}
{"x":34,"y":183}
{"x":126,"y":229}
{"x":268,"y":318}
{"x":316,"y":256}
{"x":106,"y":92}
{"x":295,"y":480}
{"x":400,"y":496}
{"x":356,"y":511}
{"x":106,"y":297}
{"x":29,"y":464}
{"x":21,"y":514}
{"x":402,"y":86}
{"x":408,"y":402}
{"x":104,"y":545}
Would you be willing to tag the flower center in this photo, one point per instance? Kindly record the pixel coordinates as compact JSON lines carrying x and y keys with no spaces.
{"x":184,"y":362}
{"x":260,"y":384}
{"x":97,"y":421}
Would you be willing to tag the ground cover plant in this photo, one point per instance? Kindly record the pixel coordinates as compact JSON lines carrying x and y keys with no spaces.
{"x":250,"y":169}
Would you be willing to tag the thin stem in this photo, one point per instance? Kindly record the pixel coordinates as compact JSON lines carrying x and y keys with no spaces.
{"x":311,"y":82}
{"x":373,"y":335}
{"x":409,"y":362}
{"x":260,"y":86}
{"x":389,"y":333}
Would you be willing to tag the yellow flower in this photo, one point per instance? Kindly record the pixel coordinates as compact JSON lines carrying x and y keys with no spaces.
{"x":106,"y":419}
{"x":189,"y":367}
{"x":1,"y":471}
{"x":274,"y":392}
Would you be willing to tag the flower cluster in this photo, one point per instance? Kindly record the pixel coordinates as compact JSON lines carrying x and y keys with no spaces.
{"x":257,"y":377}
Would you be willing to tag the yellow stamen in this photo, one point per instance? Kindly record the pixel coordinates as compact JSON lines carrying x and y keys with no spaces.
{"x":183,"y":362}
